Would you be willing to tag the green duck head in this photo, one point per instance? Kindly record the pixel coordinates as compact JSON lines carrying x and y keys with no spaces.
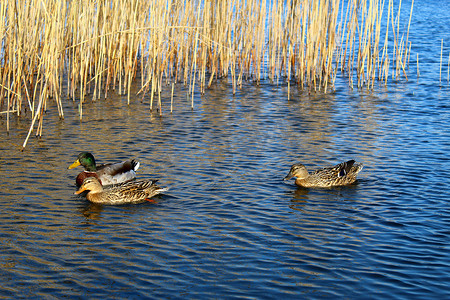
{"x":85,"y":159}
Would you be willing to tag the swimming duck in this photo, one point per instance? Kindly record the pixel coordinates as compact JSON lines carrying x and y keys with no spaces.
{"x":108,"y":173}
{"x":341,"y":174}
{"x":127,"y":193}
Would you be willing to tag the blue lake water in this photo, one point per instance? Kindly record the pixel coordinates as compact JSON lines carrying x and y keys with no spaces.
{"x":229,"y":227}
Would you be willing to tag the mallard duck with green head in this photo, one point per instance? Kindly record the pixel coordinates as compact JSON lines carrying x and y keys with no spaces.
{"x":341,"y":174}
{"x":127,"y":193}
{"x":108,"y":173}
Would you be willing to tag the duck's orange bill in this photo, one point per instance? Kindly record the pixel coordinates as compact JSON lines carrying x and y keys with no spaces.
{"x":74,"y":165}
{"x":82,"y":189}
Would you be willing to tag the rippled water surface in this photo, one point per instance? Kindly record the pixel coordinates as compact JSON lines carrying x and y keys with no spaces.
{"x":230,"y":227}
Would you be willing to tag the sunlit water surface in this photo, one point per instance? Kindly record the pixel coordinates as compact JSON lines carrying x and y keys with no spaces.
{"x":230,"y":227}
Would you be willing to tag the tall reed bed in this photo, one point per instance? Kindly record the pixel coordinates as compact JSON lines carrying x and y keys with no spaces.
{"x":85,"y":48}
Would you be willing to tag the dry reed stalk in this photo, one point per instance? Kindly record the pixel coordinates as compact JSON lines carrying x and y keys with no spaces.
{"x":407,"y":34}
{"x":397,"y":45}
{"x":384,"y":70}
{"x":343,"y":35}
{"x":350,"y":40}
{"x":260,"y":37}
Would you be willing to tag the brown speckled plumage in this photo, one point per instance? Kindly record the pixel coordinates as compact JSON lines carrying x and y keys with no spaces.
{"x":130,"y":192}
{"x":342,"y":174}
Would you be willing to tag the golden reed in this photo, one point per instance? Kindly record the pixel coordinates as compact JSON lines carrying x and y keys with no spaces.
{"x":85,"y":47}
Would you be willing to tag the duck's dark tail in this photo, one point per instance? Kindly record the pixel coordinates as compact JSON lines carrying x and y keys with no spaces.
{"x":346,"y":167}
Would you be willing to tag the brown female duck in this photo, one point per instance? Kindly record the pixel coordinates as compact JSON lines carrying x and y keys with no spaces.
{"x":341,"y":174}
{"x":127,"y":193}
